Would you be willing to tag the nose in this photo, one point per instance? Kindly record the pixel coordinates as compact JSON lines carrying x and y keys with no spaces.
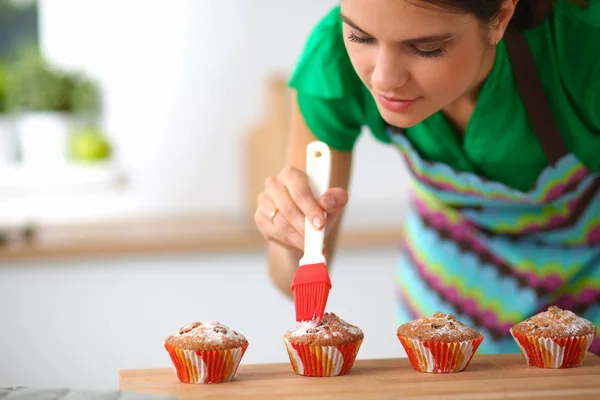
{"x":389,"y":73}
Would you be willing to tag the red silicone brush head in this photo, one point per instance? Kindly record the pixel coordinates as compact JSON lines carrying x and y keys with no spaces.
{"x":310,"y":287}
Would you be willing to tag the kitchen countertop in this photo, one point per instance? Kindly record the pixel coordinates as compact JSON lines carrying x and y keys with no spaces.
{"x":487,"y":377}
{"x":163,"y":236}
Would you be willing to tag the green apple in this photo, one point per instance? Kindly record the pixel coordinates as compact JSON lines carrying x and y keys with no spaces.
{"x":89,"y":144}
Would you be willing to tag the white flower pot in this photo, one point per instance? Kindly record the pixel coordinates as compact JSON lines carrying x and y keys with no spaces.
{"x":44,"y":138}
{"x":8,"y":142}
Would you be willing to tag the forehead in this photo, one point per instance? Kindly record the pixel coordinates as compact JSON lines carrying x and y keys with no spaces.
{"x":401,"y":19}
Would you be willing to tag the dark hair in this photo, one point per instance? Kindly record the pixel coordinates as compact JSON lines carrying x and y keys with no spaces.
{"x":528,"y":13}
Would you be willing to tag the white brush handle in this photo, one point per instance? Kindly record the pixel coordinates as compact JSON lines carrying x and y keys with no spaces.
{"x":318,"y":169}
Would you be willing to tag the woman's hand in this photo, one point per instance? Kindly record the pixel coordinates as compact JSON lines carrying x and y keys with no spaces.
{"x":287,"y":199}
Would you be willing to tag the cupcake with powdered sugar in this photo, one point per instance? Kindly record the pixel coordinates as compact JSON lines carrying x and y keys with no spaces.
{"x":439,"y":343}
{"x":323,"y":348}
{"x":554,"y":338}
{"x":206,"y":352}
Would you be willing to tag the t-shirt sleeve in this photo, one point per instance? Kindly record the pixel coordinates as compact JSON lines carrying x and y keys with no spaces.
{"x":328,"y":89}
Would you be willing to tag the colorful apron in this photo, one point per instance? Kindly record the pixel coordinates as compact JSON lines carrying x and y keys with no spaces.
{"x":492,"y":255}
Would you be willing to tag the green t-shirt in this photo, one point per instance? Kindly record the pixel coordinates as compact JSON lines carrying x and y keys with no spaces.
{"x":499,"y":142}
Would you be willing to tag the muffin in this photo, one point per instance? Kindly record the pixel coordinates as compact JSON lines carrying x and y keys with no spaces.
{"x":439,"y":343}
{"x":323,"y":348}
{"x":554,"y":338}
{"x":206,"y":352}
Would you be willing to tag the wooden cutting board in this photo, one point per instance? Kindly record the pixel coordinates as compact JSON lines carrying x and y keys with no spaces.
{"x":487,"y":377}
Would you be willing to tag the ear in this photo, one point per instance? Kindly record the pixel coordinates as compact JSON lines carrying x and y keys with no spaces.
{"x":497,"y":29}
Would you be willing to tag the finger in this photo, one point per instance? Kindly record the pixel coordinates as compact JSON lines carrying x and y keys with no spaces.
{"x":266,"y":207}
{"x":276,"y":227}
{"x":299,"y":189}
{"x":334,"y":200}
{"x":280,"y":196}
{"x":272,"y":233}
{"x":293,"y":240}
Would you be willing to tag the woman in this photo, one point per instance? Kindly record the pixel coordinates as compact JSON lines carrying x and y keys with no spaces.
{"x":495,"y":108}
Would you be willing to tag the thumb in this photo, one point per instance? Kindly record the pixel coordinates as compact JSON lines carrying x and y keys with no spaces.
{"x":334,"y":200}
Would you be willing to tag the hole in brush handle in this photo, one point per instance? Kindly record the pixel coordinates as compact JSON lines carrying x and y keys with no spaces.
{"x":318,"y":167}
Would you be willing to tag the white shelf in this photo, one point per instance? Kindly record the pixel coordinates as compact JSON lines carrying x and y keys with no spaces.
{"x":17,"y":180}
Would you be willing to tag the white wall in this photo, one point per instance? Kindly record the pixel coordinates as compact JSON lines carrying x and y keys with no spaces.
{"x":77,"y":323}
{"x":182,"y":80}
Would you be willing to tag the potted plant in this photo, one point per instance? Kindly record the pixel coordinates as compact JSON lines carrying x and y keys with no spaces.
{"x":87,"y":142}
{"x":8,"y":145}
{"x":48,"y":103}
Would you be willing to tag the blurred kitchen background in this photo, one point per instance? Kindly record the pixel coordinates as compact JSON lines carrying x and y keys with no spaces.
{"x":134,"y":138}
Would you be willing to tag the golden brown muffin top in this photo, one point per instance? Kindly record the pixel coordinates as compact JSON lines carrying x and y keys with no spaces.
{"x":206,"y":336}
{"x":438,"y":328}
{"x":555,"y":323}
{"x":330,"y":331}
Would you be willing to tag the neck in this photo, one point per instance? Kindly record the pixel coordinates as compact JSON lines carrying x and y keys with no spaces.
{"x":459,"y":111}
{"x":487,"y":65}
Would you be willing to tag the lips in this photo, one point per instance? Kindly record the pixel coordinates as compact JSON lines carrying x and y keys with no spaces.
{"x":396,"y":105}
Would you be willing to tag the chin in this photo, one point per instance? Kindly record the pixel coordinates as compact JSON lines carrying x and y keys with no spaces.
{"x":405,"y":119}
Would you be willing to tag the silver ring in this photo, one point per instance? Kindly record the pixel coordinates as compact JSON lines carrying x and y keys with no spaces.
{"x":273,"y":214}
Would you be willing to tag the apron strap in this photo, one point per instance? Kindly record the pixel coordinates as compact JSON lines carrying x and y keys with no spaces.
{"x":532,"y":92}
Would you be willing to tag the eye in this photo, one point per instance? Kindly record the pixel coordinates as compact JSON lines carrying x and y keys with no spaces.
{"x":439,"y":52}
{"x":356,"y":39}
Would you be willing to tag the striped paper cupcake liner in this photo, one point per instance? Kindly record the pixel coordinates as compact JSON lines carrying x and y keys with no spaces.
{"x":439,"y":357}
{"x":206,"y":366}
{"x":553,"y":353}
{"x":322,"y":361}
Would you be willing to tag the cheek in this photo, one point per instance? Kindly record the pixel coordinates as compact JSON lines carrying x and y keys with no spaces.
{"x":363,"y":62}
{"x":362,"y":57}
{"x":449,"y":76}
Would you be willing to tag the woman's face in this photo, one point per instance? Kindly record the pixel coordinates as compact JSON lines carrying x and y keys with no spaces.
{"x":414,"y":57}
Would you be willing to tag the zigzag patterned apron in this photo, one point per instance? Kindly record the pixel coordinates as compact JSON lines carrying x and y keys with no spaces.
{"x":492,"y":255}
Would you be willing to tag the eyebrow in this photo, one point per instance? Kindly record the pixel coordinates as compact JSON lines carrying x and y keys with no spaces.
{"x":417,"y":40}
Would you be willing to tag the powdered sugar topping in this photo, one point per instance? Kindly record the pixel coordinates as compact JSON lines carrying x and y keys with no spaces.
{"x":331,"y":327}
{"x":555,"y":322}
{"x":212,"y":332}
{"x":304,"y":328}
{"x":439,"y":327}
